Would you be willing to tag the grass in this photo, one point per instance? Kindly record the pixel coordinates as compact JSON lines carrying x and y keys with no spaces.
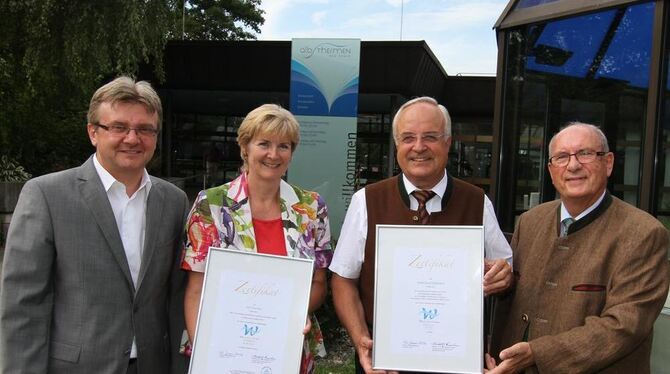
{"x":340,"y":353}
{"x":325,"y":366}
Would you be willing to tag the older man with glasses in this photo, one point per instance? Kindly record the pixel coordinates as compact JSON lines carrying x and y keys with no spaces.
{"x":593,"y":272}
{"x":423,"y":194}
{"x":90,"y":261}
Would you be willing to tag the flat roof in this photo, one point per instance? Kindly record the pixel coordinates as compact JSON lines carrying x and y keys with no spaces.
{"x":234,"y":76}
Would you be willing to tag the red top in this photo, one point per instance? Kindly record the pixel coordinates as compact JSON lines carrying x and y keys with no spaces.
{"x":269,"y":237}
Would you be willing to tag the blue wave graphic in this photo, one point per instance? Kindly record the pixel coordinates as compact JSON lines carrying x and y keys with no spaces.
{"x":346,"y":102}
{"x":306,"y":96}
{"x":307,"y":100}
{"x":302,"y":70}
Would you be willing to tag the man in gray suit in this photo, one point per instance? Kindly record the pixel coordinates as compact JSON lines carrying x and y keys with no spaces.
{"x":91,"y":251}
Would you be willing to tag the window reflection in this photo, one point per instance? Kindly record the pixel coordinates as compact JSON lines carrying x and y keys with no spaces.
{"x":614,"y":44}
{"x":591,"y":68}
{"x":663,"y":166}
{"x":567,"y":47}
{"x":372,"y":148}
{"x":201,"y":139}
{"x":470,"y":152}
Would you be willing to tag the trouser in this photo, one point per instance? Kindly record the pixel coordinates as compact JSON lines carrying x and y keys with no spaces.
{"x":132,"y":366}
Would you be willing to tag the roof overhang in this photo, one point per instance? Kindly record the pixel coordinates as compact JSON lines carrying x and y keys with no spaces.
{"x":512,"y":17}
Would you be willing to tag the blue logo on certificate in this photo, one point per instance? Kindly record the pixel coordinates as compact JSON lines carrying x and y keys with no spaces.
{"x":428,"y":314}
{"x":250,"y":330}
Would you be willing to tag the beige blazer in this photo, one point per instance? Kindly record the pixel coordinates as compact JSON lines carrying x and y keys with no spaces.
{"x":586,"y":302}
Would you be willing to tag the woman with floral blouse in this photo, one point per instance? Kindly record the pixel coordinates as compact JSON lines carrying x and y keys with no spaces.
{"x":259,"y":212}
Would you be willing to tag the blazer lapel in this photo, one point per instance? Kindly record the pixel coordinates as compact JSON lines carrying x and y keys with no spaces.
{"x":154,"y":212}
{"x":245,"y":239}
{"x":93,"y":193}
{"x":289,"y":218}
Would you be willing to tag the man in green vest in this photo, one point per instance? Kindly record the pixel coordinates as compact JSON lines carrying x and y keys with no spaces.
{"x":593,"y":272}
{"x":423,"y":194}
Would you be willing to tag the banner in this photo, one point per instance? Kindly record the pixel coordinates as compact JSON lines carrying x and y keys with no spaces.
{"x":324,"y":99}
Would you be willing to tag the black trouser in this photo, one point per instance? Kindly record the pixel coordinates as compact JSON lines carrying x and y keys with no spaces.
{"x":132,"y":366}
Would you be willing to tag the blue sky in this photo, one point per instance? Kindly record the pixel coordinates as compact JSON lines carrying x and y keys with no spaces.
{"x":459,"y":32}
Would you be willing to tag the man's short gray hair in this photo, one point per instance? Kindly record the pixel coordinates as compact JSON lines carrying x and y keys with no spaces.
{"x":423,"y":99}
{"x":594,"y":128}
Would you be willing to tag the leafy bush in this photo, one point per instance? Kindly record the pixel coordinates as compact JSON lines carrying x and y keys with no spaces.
{"x":11,"y":171}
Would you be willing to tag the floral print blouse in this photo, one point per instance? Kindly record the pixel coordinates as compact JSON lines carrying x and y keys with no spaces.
{"x":221,"y":217}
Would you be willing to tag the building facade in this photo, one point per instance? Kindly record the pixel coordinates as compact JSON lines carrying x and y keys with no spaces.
{"x":210,"y":86}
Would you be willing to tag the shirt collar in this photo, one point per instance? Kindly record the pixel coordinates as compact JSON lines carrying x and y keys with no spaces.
{"x":108,"y":180}
{"x":565,"y":214}
{"x":440,"y":188}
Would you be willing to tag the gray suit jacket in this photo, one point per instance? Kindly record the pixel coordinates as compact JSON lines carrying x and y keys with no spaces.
{"x":68,"y":301}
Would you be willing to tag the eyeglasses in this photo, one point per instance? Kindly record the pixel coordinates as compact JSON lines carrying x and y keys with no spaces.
{"x":583,"y":157}
{"x":145,"y":132}
{"x":430,"y":138}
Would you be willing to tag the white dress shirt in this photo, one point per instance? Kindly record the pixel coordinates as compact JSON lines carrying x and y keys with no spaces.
{"x":565,"y":214}
{"x":130,"y":216}
{"x":350,"y":251}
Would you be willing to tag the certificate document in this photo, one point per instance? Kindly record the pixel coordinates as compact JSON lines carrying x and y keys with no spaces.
{"x":252,"y":313}
{"x":428,"y":312}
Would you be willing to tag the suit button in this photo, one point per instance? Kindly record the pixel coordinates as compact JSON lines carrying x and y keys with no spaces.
{"x":524,"y":317}
{"x":415,"y":218}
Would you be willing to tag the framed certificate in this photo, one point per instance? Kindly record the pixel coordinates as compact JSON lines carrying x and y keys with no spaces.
{"x":428,"y":307}
{"x":252,"y":313}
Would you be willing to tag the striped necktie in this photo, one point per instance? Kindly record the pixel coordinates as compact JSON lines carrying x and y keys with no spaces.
{"x":421,"y":197}
{"x":565,"y":224}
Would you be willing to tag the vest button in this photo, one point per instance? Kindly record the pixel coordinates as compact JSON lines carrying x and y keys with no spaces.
{"x":415,"y":218}
{"x":524,"y":317}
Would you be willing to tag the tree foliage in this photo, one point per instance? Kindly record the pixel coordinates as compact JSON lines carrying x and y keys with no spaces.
{"x":55,"y":53}
{"x":220,"y":20}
